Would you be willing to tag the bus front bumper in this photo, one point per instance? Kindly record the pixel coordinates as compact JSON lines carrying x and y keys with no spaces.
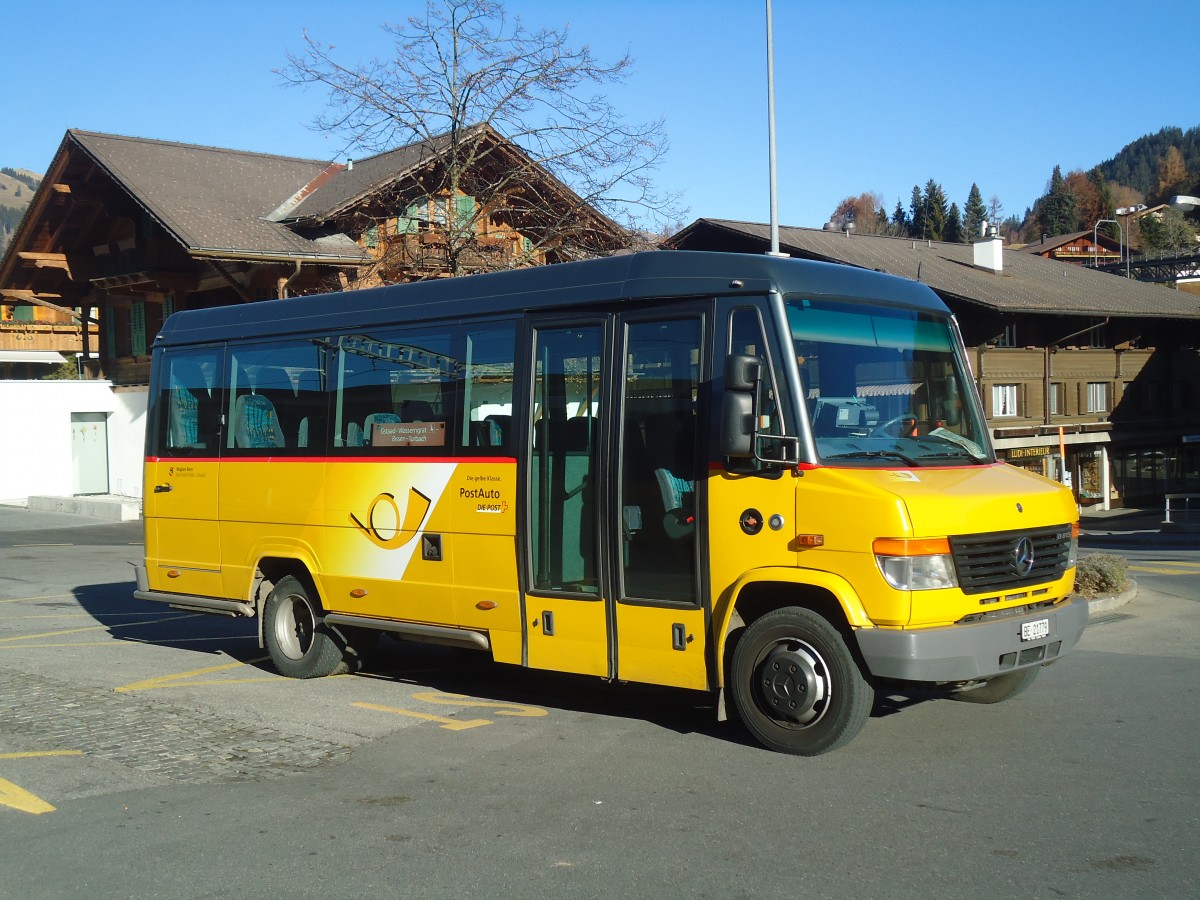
{"x":976,"y":650}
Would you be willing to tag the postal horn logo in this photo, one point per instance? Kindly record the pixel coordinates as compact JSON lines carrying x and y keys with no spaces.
{"x":1022,"y":557}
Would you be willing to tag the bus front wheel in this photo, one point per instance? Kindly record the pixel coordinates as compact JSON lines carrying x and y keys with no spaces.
{"x":795,"y":685}
{"x":294,"y":630}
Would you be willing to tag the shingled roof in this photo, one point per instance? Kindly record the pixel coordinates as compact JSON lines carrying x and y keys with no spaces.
{"x":215,"y":200}
{"x":1027,"y":284}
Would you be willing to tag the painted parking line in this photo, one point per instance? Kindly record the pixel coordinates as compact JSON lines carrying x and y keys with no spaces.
{"x":501,"y":708}
{"x":34,"y":754}
{"x":190,"y":678}
{"x":448,"y":724}
{"x":30,"y":599}
{"x":1160,"y":570}
{"x":16,"y":797}
{"x":46,"y":634}
{"x":20,"y":799}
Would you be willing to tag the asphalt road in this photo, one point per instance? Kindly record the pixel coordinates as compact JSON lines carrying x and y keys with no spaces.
{"x":145,"y":751}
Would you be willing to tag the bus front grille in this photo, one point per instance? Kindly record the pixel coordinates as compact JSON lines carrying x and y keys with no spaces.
{"x":1010,"y":559}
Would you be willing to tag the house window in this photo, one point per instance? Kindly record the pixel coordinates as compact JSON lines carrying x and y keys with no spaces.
{"x":1058,"y":399}
{"x":1097,"y":396}
{"x":1004,"y":400}
{"x":1096,"y":335}
{"x":1008,"y":338}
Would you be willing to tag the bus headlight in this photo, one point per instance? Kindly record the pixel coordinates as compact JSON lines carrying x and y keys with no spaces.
{"x":916,"y":565}
{"x":1073,"y":553}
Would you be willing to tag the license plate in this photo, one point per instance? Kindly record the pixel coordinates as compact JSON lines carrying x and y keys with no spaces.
{"x":1036,"y":630}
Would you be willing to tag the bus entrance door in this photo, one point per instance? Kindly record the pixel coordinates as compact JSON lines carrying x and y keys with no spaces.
{"x":660,"y":617}
{"x":566,"y":622}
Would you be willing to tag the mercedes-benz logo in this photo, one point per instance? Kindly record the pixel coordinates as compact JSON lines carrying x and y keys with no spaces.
{"x":1022,"y":557}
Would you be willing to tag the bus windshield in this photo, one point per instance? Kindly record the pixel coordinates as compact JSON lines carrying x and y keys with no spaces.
{"x":885,"y":387}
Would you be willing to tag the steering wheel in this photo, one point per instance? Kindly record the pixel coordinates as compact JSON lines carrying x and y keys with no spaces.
{"x":905,"y":425}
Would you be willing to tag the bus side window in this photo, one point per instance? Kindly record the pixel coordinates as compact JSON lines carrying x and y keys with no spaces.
{"x":189,"y":424}
{"x":394,"y":391}
{"x":277,"y":399}
{"x":487,"y":386}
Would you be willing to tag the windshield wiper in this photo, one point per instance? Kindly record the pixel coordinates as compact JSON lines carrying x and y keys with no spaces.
{"x":875,"y":454}
{"x":957,"y":453}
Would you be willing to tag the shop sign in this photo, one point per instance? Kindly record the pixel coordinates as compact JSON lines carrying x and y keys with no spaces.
{"x":1026,"y":452}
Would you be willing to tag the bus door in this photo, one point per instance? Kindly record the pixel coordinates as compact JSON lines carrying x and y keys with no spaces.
{"x":182,"y":470}
{"x":613,"y":585}
{"x":566,"y":618}
{"x":655,"y":527}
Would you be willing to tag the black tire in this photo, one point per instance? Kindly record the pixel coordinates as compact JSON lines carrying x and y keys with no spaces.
{"x":294,"y":630}
{"x":795,"y":685}
{"x":1000,"y":688}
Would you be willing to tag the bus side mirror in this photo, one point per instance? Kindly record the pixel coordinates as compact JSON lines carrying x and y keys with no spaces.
{"x":742,"y":374}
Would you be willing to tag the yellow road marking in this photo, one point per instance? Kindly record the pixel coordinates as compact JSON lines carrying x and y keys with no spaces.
{"x":502,"y":709}
{"x":180,"y":678}
{"x":21,"y":799}
{"x":31,"y":754}
{"x":42,"y":634}
{"x":71,"y":644}
{"x":75,"y":615}
{"x":449,"y":724}
{"x":43,"y":597}
{"x":1161,"y":571}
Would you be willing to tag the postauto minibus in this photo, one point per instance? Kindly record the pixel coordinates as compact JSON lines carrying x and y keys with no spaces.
{"x":765,"y":478}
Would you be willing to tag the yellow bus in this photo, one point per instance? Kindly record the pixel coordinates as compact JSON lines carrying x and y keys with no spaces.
{"x":764,"y":478}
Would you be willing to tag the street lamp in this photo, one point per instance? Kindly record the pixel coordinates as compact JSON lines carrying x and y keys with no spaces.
{"x":1129,"y":212}
{"x":1095,"y":243}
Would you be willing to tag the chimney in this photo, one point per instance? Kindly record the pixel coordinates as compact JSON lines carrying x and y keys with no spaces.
{"x":989,"y":249}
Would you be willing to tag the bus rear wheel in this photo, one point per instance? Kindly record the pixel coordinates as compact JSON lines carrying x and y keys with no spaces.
{"x":294,"y":630}
{"x":795,"y":685}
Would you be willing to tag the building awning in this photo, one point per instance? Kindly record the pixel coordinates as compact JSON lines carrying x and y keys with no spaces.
{"x":49,"y":357}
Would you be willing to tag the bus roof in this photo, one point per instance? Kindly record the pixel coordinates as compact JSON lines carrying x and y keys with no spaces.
{"x":660,"y":274}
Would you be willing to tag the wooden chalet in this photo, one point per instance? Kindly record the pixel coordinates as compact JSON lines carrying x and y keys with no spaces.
{"x":1084,"y":248}
{"x":124,"y":231}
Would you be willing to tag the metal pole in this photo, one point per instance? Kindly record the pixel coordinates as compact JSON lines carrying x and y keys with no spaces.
{"x":771,"y":134}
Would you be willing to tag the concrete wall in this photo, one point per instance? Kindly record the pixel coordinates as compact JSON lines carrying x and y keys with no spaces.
{"x":35,"y":436}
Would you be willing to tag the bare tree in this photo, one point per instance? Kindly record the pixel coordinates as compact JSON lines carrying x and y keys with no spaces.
{"x":494,"y":106}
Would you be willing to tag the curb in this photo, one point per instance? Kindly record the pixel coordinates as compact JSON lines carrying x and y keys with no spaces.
{"x":1107,"y":602}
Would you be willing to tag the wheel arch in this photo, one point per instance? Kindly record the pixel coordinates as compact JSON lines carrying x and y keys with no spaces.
{"x":268,"y":572}
{"x":760,"y":591}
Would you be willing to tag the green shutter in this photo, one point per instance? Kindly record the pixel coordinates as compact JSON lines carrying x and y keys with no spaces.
{"x":137,"y":327}
{"x":168,"y":306}
{"x":466,"y":211}
{"x":22,"y":313}
{"x":372,"y":236}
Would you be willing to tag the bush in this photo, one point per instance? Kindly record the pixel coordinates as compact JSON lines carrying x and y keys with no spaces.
{"x":1102,"y":573}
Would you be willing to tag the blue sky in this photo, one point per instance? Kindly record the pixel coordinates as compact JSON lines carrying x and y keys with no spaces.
{"x":870,"y":95}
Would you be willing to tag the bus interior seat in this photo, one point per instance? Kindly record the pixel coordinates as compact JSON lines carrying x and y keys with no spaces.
{"x":255,"y":423}
{"x":486,"y":433}
{"x":503,"y":425}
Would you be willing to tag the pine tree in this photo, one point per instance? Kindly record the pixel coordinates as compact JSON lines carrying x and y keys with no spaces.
{"x":900,"y":220}
{"x":1057,"y":213}
{"x":954,"y":226}
{"x":916,"y":213}
{"x":975,"y":214}
{"x":936,"y":212}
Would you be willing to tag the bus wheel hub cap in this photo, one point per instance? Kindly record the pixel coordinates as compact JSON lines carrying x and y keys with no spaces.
{"x":793,"y":683}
